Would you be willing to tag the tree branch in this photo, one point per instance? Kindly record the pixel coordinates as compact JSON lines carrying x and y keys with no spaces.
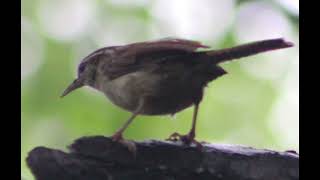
{"x":99,"y":158}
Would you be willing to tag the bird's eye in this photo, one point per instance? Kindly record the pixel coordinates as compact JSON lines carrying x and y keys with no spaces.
{"x":81,"y":68}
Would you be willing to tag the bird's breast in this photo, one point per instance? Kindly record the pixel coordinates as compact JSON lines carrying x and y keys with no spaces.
{"x":126,"y":91}
{"x":162,"y":94}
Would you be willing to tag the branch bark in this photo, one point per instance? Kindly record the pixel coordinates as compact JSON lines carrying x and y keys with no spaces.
{"x":99,"y":158}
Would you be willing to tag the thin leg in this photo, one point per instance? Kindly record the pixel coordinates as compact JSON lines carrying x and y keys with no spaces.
{"x":118,"y":134}
{"x":188,"y":138}
{"x":192,"y":132}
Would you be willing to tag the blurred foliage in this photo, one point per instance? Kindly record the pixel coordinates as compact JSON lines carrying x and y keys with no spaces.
{"x":236,"y":108}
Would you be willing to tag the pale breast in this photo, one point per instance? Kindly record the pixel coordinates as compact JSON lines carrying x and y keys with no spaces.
{"x":127,"y":90}
{"x":163,"y":94}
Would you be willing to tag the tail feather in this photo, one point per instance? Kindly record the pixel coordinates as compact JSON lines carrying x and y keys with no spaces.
{"x":248,"y":49}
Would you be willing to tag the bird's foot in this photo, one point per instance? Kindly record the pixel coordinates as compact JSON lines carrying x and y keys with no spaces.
{"x":117,"y":137}
{"x":186,"y":139}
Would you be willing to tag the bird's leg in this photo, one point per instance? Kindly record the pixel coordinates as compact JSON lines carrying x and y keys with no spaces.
{"x":190,"y":137}
{"x":192,"y":132}
{"x":117,"y":136}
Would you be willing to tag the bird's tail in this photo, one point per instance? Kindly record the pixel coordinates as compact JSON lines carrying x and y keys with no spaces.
{"x":249,"y":49}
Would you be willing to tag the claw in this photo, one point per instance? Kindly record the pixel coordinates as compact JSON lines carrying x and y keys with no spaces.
{"x":174,"y":137}
{"x":186,"y":139}
{"x":117,"y":137}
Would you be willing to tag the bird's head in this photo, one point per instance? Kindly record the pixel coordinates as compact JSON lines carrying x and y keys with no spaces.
{"x":86,"y":76}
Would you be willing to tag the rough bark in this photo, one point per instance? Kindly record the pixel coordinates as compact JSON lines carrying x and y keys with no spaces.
{"x":99,"y":158}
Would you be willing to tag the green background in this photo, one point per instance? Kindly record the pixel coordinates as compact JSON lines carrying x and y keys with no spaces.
{"x":256,"y":104}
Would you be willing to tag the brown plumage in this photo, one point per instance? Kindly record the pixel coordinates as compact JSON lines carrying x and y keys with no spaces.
{"x":160,"y":77}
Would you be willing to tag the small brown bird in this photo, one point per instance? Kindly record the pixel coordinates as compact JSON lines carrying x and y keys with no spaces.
{"x":160,"y":77}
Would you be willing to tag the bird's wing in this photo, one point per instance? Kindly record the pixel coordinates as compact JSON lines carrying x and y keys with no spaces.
{"x":162,"y":45}
{"x":131,"y":57}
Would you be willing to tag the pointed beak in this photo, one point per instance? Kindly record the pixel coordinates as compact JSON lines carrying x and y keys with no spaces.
{"x":73,"y":86}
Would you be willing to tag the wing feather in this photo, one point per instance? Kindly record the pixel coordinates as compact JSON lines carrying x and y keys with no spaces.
{"x":161,"y":45}
{"x":127,"y":58}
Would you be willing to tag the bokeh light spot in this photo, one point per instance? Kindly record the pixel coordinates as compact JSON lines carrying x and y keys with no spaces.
{"x":66,"y":19}
{"x":31,"y":49}
{"x":191,"y":19}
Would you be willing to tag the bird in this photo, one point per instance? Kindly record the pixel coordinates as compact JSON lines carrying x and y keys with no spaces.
{"x":160,"y":77}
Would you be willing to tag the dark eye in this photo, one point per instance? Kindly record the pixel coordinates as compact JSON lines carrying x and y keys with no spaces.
{"x":81,"y":68}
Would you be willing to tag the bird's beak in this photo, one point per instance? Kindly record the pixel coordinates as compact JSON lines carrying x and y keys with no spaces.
{"x":73,"y":86}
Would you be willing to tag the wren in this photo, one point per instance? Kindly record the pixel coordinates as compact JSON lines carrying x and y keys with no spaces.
{"x":160,"y":77}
